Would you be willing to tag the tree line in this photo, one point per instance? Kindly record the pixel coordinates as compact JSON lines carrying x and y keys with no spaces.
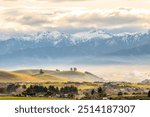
{"x":50,"y":91}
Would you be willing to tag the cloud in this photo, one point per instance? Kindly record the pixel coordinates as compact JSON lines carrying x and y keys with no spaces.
{"x":104,"y":19}
{"x":10,"y":0}
{"x":32,"y":21}
{"x":35,"y":18}
{"x":135,"y":76}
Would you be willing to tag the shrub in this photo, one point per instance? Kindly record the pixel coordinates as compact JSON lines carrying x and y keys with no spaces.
{"x":149,"y":94}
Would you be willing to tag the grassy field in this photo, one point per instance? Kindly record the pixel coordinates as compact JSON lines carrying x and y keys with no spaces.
{"x":48,"y":77}
{"x":61,"y":79}
{"x":29,"y":98}
{"x":82,"y":86}
{"x":6,"y":76}
{"x":136,"y":85}
{"x":130,"y":97}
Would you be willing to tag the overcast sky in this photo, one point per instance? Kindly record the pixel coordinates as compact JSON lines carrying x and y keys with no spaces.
{"x":74,"y":15}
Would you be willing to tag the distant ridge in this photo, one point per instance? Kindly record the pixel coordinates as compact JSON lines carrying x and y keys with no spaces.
{"x":73,"y":76}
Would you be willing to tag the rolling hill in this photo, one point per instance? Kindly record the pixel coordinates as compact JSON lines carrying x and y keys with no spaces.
{"x":78,"y":76}
{"x":47,"y":76}
{"x":33,"y":71}
{"x":72,"y":76}
{"x":6,"y":76}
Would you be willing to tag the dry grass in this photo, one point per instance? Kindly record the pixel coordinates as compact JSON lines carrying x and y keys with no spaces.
{"x":15,"y":77}
{"x":29,"y":98}
{"x":136,"y":85}
{"x":50,"y":78}
{"x":20,"y":77}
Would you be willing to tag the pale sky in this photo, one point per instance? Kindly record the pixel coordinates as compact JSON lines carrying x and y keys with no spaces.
{"x":74,"y":15}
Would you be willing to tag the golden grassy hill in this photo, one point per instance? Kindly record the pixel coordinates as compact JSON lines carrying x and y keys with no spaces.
{"x":6,"y":76}
{"x":50,"y":78}
{"x":33,"y":71}
{"x":61,"y":76}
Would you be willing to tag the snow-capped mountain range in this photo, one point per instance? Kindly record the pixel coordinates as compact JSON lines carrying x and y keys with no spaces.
{"x":54,"y":44}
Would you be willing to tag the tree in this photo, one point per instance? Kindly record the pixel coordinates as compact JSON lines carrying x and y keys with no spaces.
{"x":149,"y":93}
{"x":11,"y":88}
{"x":99,"y":90}
{"x":41,"y":71}
{"x":2,"y":90}
{"x":92,"y":92}
{"x":69,"y":90}
{"x":120,"y":93}
{"x":57,"y":70}
{"x":34,"y":89}
{"x":53,"y":90}
{"x":75,"y":69}
{"x":71,"y":69}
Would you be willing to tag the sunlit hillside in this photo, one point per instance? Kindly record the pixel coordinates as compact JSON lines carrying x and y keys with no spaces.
{"x":47,"y":76}
{"x":6,"y":76}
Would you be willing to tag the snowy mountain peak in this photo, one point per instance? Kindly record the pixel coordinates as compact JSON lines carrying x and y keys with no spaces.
{"x":56,"y":34}
{"x":48,"y":34}
{"x":92,"y":34}
{"x":52,"y":35}
{"x":124,"y":34}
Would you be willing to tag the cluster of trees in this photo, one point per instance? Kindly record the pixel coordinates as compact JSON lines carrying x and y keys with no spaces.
{"x":69,"y":90}
{"x":50,"y":91}
{"x":73,"y":69}
{"x":32,"y":90}
{"x":121,"y":93}
{"x":13,"y":87}
{"x":37,"y":90}
{"x":98,"y":93}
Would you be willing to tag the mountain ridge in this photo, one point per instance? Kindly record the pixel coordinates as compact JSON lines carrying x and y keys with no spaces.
{"x":54,"y":44}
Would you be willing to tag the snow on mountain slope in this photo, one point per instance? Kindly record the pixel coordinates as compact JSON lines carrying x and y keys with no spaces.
{"x":84,"y":36}
{"x":54,"y":43}
{"x":80,"y":36}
